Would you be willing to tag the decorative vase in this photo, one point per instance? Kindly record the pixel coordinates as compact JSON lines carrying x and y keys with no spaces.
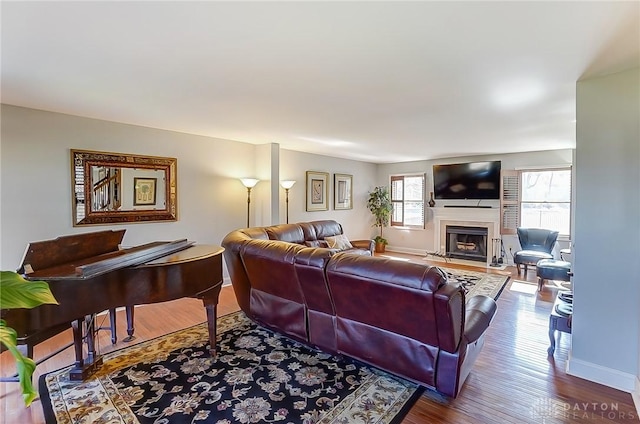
{"x":432,"y":202}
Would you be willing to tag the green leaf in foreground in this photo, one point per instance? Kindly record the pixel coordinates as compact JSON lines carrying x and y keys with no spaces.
{"x":16,"y":292}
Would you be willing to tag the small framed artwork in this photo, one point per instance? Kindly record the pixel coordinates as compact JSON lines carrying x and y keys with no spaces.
{"x":317,"y":191}
{"x":144,"y":191}
{"x":342,"y":191}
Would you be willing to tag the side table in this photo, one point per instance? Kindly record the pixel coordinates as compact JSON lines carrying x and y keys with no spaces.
{"x":558,"y":321}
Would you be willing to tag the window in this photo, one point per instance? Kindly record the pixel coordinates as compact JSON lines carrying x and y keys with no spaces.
{"x":407,"y":196}
{"x":545,"y":201}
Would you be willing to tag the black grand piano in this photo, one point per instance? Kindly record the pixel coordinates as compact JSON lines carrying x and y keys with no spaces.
{"x":89,"y":273}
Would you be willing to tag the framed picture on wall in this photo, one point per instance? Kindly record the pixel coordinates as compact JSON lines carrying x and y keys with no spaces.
{"x":144,"y":191}
{"x":342,"y":191}
{"x":317,"y":191}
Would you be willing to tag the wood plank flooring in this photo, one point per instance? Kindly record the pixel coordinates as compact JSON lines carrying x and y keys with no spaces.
{"x":513,"y":380}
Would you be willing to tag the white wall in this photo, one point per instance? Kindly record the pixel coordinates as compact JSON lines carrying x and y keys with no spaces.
{"x":606,"y":323}
{"x":35,"y":195}
{"x":357,"y":222}
{"x":36,"y":187}
{"x":422,"y":240}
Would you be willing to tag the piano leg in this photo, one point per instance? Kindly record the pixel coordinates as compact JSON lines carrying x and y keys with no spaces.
{"x":78,"y":326}
{"x":26,"y":350}
{"x":90,"y":333}
{"x":210,"y":300}
{"x":129,"y":311}
{"x":112,"y":323}
{"x":83,"y":367}
{"x":212,"y":327}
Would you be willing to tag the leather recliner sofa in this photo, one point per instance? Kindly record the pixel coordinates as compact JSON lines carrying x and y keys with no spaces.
{"x":402,"y":317}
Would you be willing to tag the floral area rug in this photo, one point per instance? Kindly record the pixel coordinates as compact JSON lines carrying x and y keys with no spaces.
{"x":258,"y":376}
{"x":476,"y":283}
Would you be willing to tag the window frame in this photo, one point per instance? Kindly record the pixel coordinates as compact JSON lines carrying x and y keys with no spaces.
{"x":403,"y":200}
{"x":522,"y":202}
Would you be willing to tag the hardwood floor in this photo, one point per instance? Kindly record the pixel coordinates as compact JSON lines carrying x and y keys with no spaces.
{"x":513,"y":380}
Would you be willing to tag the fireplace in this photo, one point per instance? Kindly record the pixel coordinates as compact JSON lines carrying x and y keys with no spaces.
{"x":475,"y":218}
{"x":464,"y":242}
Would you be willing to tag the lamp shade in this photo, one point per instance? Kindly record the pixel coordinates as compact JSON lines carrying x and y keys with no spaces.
{"x":249,"y":182}
{"x":287,"y":184}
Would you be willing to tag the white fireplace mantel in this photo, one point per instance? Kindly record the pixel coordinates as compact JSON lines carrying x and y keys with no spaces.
{"x":488,"y":218}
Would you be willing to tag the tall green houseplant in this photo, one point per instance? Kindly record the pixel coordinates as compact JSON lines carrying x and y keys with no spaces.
{"x":16,"y":292}
{"x":380,"y":205}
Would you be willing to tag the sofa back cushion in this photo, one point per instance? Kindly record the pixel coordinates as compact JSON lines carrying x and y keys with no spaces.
{"x":449,"y":304}
{"x":232,"y":244}
{"x":276,"y":299}
{"x":319,"y":230}
{"x":392,"y":295}
{"x":310,"y":265}
{"x":386,"y":313}
{"x":257,"y":233}
{"x":305,"y":232}
{"x":291,"y":233}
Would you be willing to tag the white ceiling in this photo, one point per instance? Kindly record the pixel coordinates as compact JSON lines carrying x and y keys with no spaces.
{"x":373,"y":81}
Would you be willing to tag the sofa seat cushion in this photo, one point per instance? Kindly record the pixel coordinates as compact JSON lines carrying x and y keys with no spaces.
{"x":340,"y":242}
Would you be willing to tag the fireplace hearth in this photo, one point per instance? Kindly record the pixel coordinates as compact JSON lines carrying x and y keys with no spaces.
{"x":465,"y":242}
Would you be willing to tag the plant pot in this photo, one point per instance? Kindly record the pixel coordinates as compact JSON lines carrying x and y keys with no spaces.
{"x":380,"y":247}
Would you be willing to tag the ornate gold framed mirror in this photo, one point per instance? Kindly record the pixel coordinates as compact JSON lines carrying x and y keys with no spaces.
{"x":112,"y":188}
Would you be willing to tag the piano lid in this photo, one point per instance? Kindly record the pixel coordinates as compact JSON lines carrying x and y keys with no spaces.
{"x":87,"y":255}
{"x":44,"y":254}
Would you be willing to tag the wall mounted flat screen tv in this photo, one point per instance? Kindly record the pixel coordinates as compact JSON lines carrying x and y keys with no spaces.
{"x":472,"y":180}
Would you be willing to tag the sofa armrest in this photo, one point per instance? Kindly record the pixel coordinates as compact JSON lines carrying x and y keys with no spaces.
{"x":479,"y":314}
{"x":364,"y":244}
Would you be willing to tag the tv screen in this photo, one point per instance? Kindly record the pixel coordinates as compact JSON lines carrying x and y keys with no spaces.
{"x":473,"y":180}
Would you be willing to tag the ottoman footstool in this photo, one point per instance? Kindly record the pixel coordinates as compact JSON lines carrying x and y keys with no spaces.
{"x":529,"y":257}
{"x":551,"y":269}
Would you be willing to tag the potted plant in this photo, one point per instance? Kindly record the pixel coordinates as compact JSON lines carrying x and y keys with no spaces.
{"x":380,"y":205}
{"x":20,"y":293}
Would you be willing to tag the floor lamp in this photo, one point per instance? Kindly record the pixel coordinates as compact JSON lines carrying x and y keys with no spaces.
{"x":249,"y":183}
{"x":286,"y":185}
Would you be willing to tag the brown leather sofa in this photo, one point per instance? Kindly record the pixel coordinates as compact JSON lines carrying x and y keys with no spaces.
{"x":399,"y":316}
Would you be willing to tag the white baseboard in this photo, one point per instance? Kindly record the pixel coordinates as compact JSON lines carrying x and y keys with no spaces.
{"x":598,"y":374}
{"x":407,"y":250}
{"x":636,"y":396}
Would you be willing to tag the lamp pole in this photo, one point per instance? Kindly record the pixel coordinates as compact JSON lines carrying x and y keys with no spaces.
{"x":286,"y":191}
{"x":287,"y":185}
{"x":249,"y":183}
{"x":248,"y":204}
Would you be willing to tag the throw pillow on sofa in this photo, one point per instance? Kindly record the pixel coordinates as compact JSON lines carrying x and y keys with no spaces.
{"x":340,"y":242}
